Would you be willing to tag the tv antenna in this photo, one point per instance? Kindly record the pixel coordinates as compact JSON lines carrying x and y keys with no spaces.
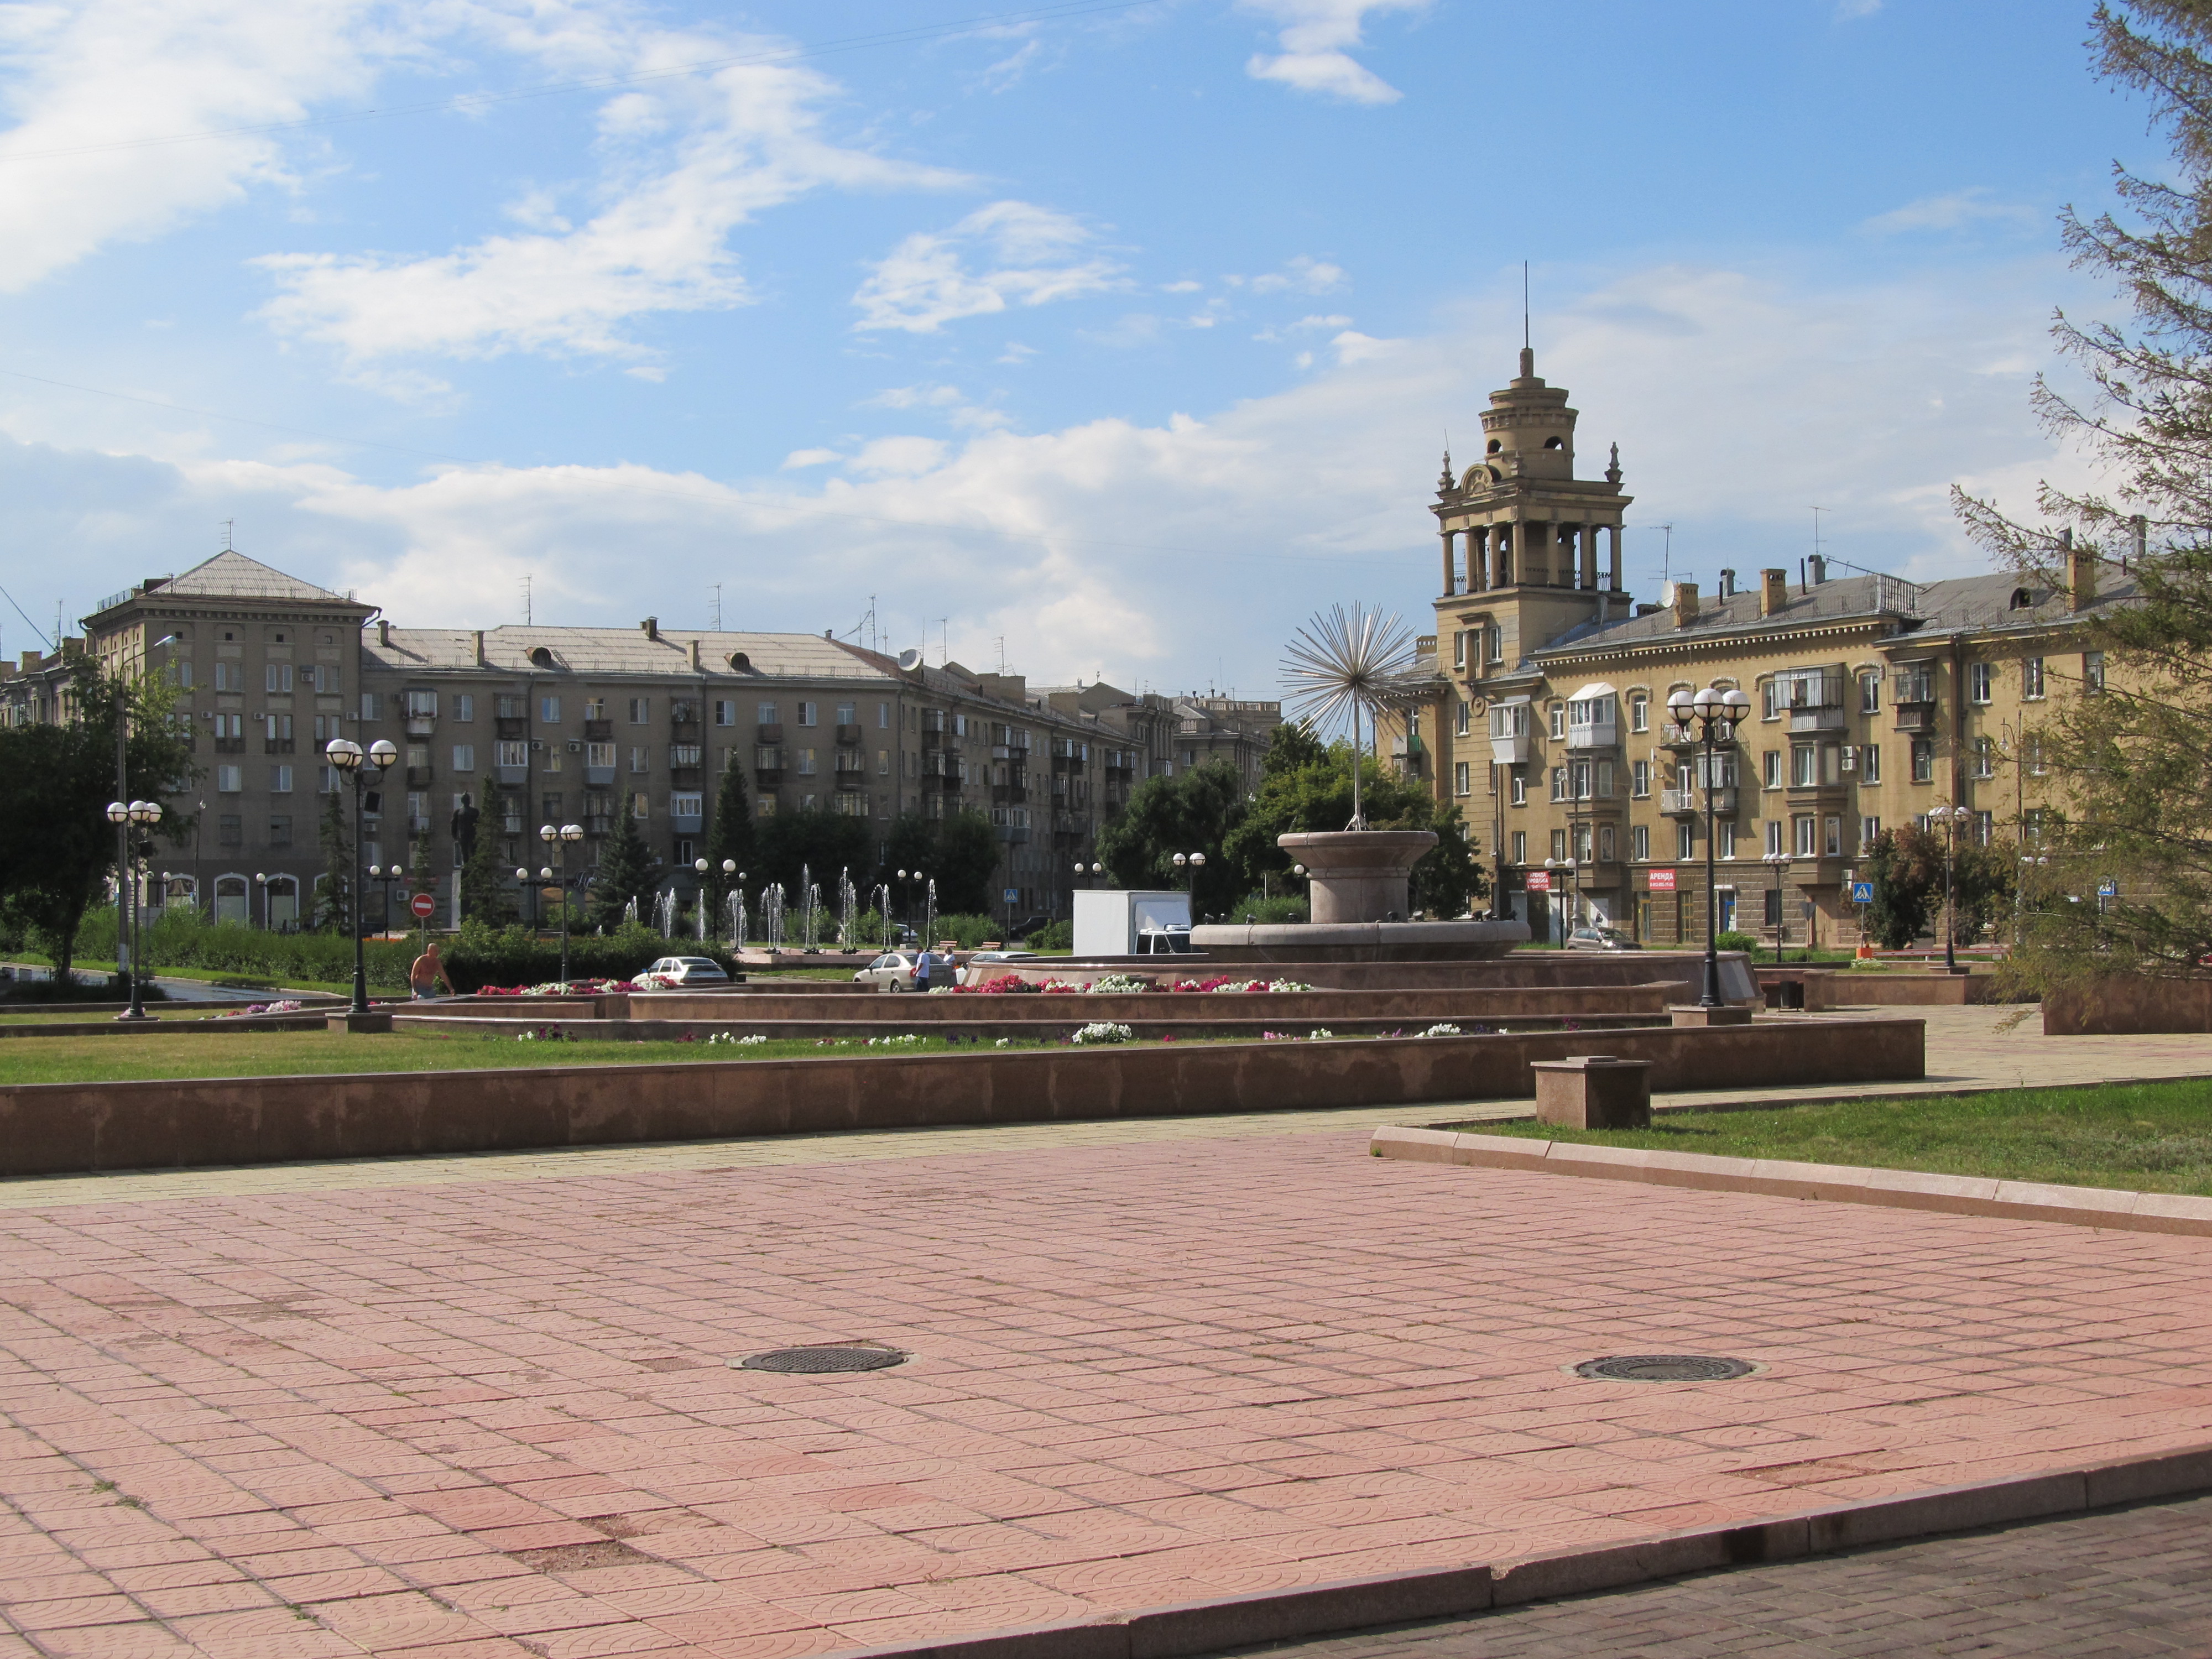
{"x":229,"y":529}
{"x":1525,"y":341}
{"x":1817,"y":512}
{"x":1666,"y":555}
{"x":527,"y":613}
{"x":716,"y":625}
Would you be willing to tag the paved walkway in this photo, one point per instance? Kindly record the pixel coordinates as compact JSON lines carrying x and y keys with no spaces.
{"x":2100,"y":1587}
{"x":481,"y":1409}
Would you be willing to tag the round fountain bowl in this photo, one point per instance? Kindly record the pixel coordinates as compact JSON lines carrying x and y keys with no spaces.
{"x":1357,"y":878}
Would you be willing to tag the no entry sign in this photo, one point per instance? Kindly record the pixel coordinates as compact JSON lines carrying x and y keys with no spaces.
{"x":422,"y":905}
{"x":1662,"y":881}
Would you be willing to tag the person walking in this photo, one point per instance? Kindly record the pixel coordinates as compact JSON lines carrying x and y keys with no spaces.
{"x":426,"y":973}
{"x":922,"y":965}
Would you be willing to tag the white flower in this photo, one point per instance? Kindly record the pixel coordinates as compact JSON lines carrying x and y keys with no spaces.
{"x":1316,"y":1035}
{"x":1443,"y":1030}
{"x":1104,"y":1031}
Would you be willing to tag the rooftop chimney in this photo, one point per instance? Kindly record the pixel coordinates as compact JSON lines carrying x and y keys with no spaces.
{"x":1728,"y":585}
{"x":480,"y":655}
{"x":1818,"y":565}
{"x":383,"y":631}
{"x":2080,"y":571}
{"x":695,"y":655}
{"x":1773,"y":592}
{"x":652,"y":627}
{"x":1686,"y":603}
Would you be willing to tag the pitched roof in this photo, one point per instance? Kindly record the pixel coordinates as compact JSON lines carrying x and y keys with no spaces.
{"x":232,"y":575}
{"x":628,"y":650}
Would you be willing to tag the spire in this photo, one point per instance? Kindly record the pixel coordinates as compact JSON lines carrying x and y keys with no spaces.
{"x":1528,"y":364}
{"x":1613,"y":472}
{"x":1446,"y":484}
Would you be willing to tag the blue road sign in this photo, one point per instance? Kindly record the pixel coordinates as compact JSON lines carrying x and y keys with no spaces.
{"x":1862,"y":892}
{"x":2108,"y":889}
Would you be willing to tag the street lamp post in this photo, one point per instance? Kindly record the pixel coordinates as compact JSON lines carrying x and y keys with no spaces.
{"x":1716,"y":714}
{"x":559,"y":837}
{"x":135,"y":819}
{"x":1192,"y":863}
{"x":1777,"y":862}
{"x":347,"y":757}
{"x":385,"y":874}
{"x":1950,"y":817}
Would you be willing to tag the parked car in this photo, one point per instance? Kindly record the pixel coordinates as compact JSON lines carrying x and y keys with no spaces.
{"x":672,"y":972}
{"x":1600,"y":939}
{"x":990,"y":964}
{"x":894,"y":970}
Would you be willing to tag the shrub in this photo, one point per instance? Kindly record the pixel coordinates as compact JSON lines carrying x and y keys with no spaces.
{"x":1274,"y":911}
{"x":1060,"y":936}
{"x":1735,"y":942}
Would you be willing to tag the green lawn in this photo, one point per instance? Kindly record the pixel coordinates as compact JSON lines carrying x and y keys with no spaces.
{"x":2154,"y":1137}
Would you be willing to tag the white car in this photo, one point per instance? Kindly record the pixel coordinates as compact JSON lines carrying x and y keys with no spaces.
{"x":894,"y":970}
{"x":670,"y":972}
{"x":991,"y":964}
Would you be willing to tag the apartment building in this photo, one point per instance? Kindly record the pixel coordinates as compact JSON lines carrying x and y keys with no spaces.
{"x":1155,"y":735}
{"x":572,"y":725}
{"x":1539,"y":705}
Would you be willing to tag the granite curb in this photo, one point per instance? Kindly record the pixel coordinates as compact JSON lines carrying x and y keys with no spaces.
{"x":1187,"y":1629}
{"x":2113,"y":1208}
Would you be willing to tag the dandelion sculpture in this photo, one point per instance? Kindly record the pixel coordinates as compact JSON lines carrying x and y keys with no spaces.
{"x":1344,"y":661}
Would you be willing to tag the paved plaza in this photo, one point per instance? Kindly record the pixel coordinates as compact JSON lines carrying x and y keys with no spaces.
{"x":2127,"y":1584}
{"x":483,"y":1406}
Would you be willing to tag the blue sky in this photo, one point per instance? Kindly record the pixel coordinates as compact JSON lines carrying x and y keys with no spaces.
{"x":1092,"y":337}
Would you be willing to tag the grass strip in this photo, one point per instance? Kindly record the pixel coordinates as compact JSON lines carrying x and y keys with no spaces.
{"x":2147,"y":1137}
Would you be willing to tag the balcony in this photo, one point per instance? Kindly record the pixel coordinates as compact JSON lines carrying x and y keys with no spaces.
{"x":599,"y":823}
{"x":594,"y":731}
{"x":771,"y":733}
{"x":851,"y":761}
{"x":422,"y":726}
{"x":1830,"y":719}
{"x":683,"y":754}
{"x":848,"y":735}
{"x":1918,"y":718}
{"x":1690,"y":802}
{"x":512,"y":728}
{"x":1672,"y":736}
{"x":230,"y":746}
{"x":1006,"y":792}
{"x":421,"y":777}
{"x":767,"y":776}
{"x":686,"y":777}
{"x":1013,"y":832}
{"x":1598,"y":734}
{"x":277,"y":746}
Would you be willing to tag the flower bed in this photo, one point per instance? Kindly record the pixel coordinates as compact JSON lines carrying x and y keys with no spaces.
{"x":571,"y":987}
{"x":1121,"y":985}
{"x":288,"y":1005}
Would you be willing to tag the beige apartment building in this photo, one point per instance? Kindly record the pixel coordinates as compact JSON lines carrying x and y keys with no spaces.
{"x":1539,"y":707}
{"x":574,"y":724}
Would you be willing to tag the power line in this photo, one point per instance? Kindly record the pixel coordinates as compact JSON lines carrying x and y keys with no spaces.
{"x":467,"y":101}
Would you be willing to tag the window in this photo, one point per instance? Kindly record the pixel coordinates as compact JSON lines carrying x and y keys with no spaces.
{"x":1495,"y":637}
{"x":1558,"y":783}
{"x":1871,"y":692}
{"x":549,"y":710}
{"x":1459,"y":650}
{"x":726,"y":712}
{"x":1606,"y":846}
{"x":686,"y":806}
{"x":2030,"y":679}
{"x":600,"y":755}
{"x":226,"y":780}
{"x":1463,"y":719}
{"x":766,"y":714}
{"x":419,"y":705}
{"x":1520,"y":846}
{"x":1770,"y":769}
{"x":1639,"y":779}
{"x":277,"y":676}
{"x":2031,"y":756}
{"x":1802,"y":762}
{"x":1978,"y":682}
{"x":1806,"y":832}
{"x":278,"y":728}
{"x":1639,"y":843}
{"x":1774,"y":838}
{"x":1832,"y":836}
{"x":418,"y":757}
{"x":1769,"y":701}
{"x":1870,"y":763}
{"x":465,"y":758}
{"x":1559,"y":845}
{"x":1985,"y":825}
{"x":1985,"y":757}
{"x":1869,"y":831}
{"x":1518,"y":790}
{"x":641,"y":758}
{"x":1461,"y":779}
{"x":280,"y":834}
{"x":464,"y":704}
{"x":1923,"y":760}
{"x":883,"y":763}
{"x":1723,"y":839}
{"x":641,"y":804}
{"x":641,"y":710}
{"x":808,"y":711}
{"x":2092,"y":673}
{"x":847,"y":715}
{"x":1559,"y":716}
{"x":515,"y":753}
{"x":883,"y":717}
{"x":280,"y":779}
{"x":180,"y":673}
{"x":227,"y":678}
{"x":805,"y":757}
{"x":1686,"y":842}
{"x":368,"y":705}
{"x":1639,"y":714}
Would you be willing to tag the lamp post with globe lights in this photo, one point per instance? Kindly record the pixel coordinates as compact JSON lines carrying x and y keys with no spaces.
{"x":386,"y":875}
{"x":1191,"y":863}
{"x":1950,"y":820}
{"x":135,"y":820}
{"x":1779,"y":863}
{"x":1716,"y":714}
{"x":559,"y":838}
{"x":362,"y":768}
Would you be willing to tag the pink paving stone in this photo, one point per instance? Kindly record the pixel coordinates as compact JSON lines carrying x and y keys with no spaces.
{"x":1141,"y":1375}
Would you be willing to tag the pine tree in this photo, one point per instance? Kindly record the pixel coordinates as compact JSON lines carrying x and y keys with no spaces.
{"x":625,"y":871}
{"x":729,"y":836}
{"x":2124,"y":766}
{"x":334,"y":904}
{"x":484,"y":896}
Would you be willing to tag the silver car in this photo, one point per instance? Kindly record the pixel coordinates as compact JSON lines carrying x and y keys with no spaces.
{"x":894,"y":970}
{"x":687,"y":970}
{"x":1600,"y":939}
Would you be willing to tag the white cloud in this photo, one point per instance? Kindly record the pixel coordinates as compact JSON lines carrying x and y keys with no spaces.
{"x":1302,"y":275}
{"x":1184,"y":287}
{"x":1029,"y":256}
{"x":1949,"y":212}
{"x":1314,"y":35}
{"x":974,"y":417}
{"x":1848,"y":10}
{"x":94,"y":86}
{"x":684,"y":163}
{"x":1737,"y":398}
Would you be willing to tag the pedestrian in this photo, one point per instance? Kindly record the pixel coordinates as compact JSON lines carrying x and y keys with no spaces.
{"x":922,"y":964}
{"x":426,"y":972}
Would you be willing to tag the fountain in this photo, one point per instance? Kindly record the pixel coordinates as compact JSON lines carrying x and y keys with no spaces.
{"x":699,"y":916}
{"x":1360,"y":880}
{"x":929,"y":912}
{"x":772,"y":915}
{"x":737,"y":918}
{"x":847,"y":901}
{"x":664,"y":912}
{"x":629,"y":912}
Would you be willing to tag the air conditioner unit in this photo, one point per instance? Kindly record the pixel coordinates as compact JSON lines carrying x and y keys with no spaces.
{"x":575,"y":745}
{"x":537,"y":743}
{"x":1851,"y":760}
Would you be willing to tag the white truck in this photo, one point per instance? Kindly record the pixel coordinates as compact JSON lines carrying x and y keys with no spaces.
{"x":1116,"y":923}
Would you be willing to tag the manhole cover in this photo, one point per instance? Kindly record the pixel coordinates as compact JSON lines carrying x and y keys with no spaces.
{"x":1664,"y":1368}
{"x":815,"y":1360}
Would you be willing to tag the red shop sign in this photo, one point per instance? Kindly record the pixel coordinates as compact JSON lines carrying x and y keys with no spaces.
{"x":1662,"y":881}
